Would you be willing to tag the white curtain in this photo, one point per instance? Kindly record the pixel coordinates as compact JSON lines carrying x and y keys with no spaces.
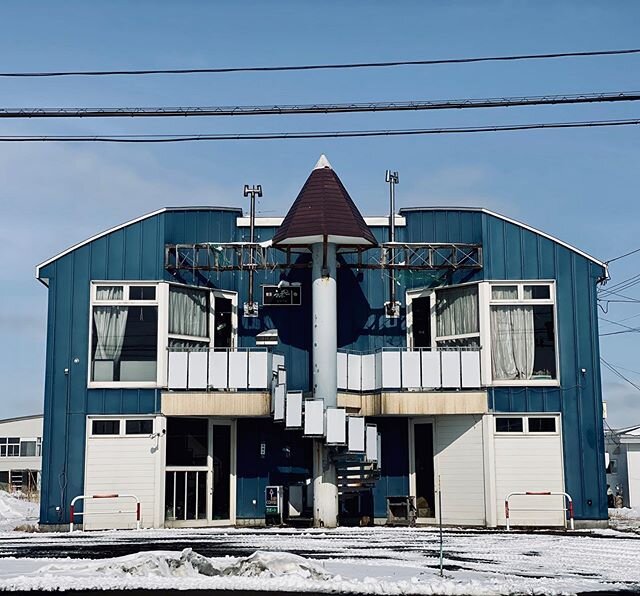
{"x":110,"y":322}
{"x":188,"y":312}
{"x":512,"y":342}
{"x":457,"y":311}
{"x":109,"y":293}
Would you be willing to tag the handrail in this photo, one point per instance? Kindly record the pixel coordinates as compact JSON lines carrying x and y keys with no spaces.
{"x":567,"y":497}
{"x":73,"y":512}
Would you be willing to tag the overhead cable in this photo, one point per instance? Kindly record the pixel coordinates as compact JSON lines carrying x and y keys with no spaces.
{"x":623,"y":256}
{"x":319,"y":108}
{"x":618,"y":373}
{"x":303,"y":67}
{"x":264,"y":136}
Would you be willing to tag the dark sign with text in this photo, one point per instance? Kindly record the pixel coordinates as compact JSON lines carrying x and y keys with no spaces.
{"x":281,"y":296}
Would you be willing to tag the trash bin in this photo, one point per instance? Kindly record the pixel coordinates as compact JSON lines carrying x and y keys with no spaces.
{"x":401,"y":511}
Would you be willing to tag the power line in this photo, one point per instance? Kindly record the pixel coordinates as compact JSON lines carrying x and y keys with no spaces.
{"x":618,"y":373}
{"x":142,"y":138}
{"x":338,"y":66}
{"x":329,"y":108}
{"x":623,"y":256}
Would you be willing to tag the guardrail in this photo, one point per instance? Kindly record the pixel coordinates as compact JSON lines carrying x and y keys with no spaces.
{"x":73,"y":512}
{"x":568,"y":509}
{"x":409,"y":369}
{"x":219,"y":368}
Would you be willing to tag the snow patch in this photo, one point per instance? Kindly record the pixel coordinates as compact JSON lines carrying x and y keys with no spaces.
{"x":16,"y":511}
{"x":624,"y":519}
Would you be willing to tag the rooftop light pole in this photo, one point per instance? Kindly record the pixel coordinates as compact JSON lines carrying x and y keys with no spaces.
{"x":393,"y":306}
{"x":250,"y":307}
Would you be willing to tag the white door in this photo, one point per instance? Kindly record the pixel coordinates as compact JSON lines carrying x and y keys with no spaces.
{"x":529,"y":460}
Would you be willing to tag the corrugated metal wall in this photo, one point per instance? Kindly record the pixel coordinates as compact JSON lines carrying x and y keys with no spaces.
{"x":137,"y":252}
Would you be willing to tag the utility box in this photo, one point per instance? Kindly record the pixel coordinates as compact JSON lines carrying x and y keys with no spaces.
{"x":401,"y":511}
{"x":273,"y":505}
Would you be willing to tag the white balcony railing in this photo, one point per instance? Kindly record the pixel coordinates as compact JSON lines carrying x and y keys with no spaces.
{"x":403,"y":369}
{"x":220,"y":369}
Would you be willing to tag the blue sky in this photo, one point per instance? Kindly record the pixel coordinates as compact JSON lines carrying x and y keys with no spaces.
{"x":580,"y":185}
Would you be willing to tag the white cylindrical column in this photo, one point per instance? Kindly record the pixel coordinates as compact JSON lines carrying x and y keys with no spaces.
{"x":325,"y":324}
{"x":325,"y":377}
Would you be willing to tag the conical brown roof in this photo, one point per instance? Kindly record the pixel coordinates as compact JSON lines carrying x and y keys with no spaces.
{"x":324,"y":209}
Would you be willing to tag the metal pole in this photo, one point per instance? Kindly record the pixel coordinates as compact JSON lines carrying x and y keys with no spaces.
{"x":440,"y":519}
{"x":250,"y":307}
{"x":392,"y":178}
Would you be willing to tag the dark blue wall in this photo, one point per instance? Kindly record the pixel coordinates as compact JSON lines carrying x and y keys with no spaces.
{"x":137,"y":252}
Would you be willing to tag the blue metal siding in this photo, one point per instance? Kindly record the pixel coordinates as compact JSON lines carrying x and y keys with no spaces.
{"x":137,"y":252}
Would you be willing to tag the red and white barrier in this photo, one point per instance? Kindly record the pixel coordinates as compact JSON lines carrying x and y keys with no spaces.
{"x":73,"y":513}
{"x":568,"y":509}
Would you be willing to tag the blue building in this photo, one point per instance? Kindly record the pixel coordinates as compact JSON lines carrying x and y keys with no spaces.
{"x":191,"y":367}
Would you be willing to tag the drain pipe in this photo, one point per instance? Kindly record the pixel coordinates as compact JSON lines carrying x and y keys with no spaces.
{"x":393,"y":307}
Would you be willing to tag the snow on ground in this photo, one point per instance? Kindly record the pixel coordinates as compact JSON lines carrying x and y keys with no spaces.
{"x":625,"y":519}
{"x":15,"y":511}
{"x":345,"y":560}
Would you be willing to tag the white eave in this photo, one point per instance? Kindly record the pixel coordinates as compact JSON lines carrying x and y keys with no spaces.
{"x":119,"y":227}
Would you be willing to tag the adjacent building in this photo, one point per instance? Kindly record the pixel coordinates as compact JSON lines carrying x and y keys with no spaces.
{"x":20,"y":454}
{"x":196,"y":356}
{"x":623,"y":464}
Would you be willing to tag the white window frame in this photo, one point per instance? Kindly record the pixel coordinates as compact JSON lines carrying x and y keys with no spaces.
{"x":486,"y":302}
{"x":162,"y":302}
{"x":431,"y":293}
{"x":525,"y":424}
{"x":161,"y":341}
{"x":123,"y":425}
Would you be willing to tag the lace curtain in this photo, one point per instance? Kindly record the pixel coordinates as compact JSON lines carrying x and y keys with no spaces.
{"x":188,"y":312}
{"x":512,"y":342}
{"x":457,"y":311}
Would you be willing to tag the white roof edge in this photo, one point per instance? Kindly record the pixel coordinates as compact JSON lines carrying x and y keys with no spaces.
{"x":375,"y":220}
{"x":124,"y":225}
{"x":517,"y":223}
{"x":16,"y":418}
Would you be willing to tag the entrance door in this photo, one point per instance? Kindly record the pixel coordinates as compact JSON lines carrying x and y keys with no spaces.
{"x":199,"y":473}
{"x":224,"y":319}
{"x":423,"y":474}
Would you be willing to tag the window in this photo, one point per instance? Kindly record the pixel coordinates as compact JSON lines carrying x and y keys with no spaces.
{"x":522,"y":324}
{"x":139,"y":427}
{"x":11,"y":447}
{"x":509,"y":425}
{"x":612,"y":468}
{"x":124,"y":334}
{"x":457,"y":322}
{"x":105,"y":427}
{"x":542,"y":425}
{"x":39,"y":446}
{"x":28,"y":448}
{"x":188,"y":312}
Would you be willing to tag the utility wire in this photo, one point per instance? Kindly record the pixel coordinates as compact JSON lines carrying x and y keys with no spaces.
{"x":623,"y":256}
{"x":317,"y":108}
{"x":142,"y":138}
{"x":338,"y":66}
{"x":618,"y":373}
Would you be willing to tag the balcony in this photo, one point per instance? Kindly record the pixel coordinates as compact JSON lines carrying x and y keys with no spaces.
{"x":221,"y":369}
{"x":404,"y":369}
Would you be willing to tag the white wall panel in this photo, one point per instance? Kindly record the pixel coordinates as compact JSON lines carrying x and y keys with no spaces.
{"x":531,"y":462}
{"x":431,"y":369}
{"x":391,"y":369}
{"x":356,"y":434}
{"x":178,"y":370}
{"x":372,"y":447}
{"x":279,"y":402}
{"x":259,"y":372}
{"x":198,"y":370}
{"x":369,"y":372}
{"x":450,"y":369}
{"x":342,"y":370}
{"x":293,"y":410}
{"x":218,"y":369}
{"x":314,"y":417}
{"x":122,"y":464}
{"x":354,"y":369}
{"x":336,"y":426}
{"x":410,"y":369}
{"x":633,"y":474}
{"x":470,"y":360}
{"x":276,"y":361}
{"x":459,"y":463}
{"x":238,"y":362}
